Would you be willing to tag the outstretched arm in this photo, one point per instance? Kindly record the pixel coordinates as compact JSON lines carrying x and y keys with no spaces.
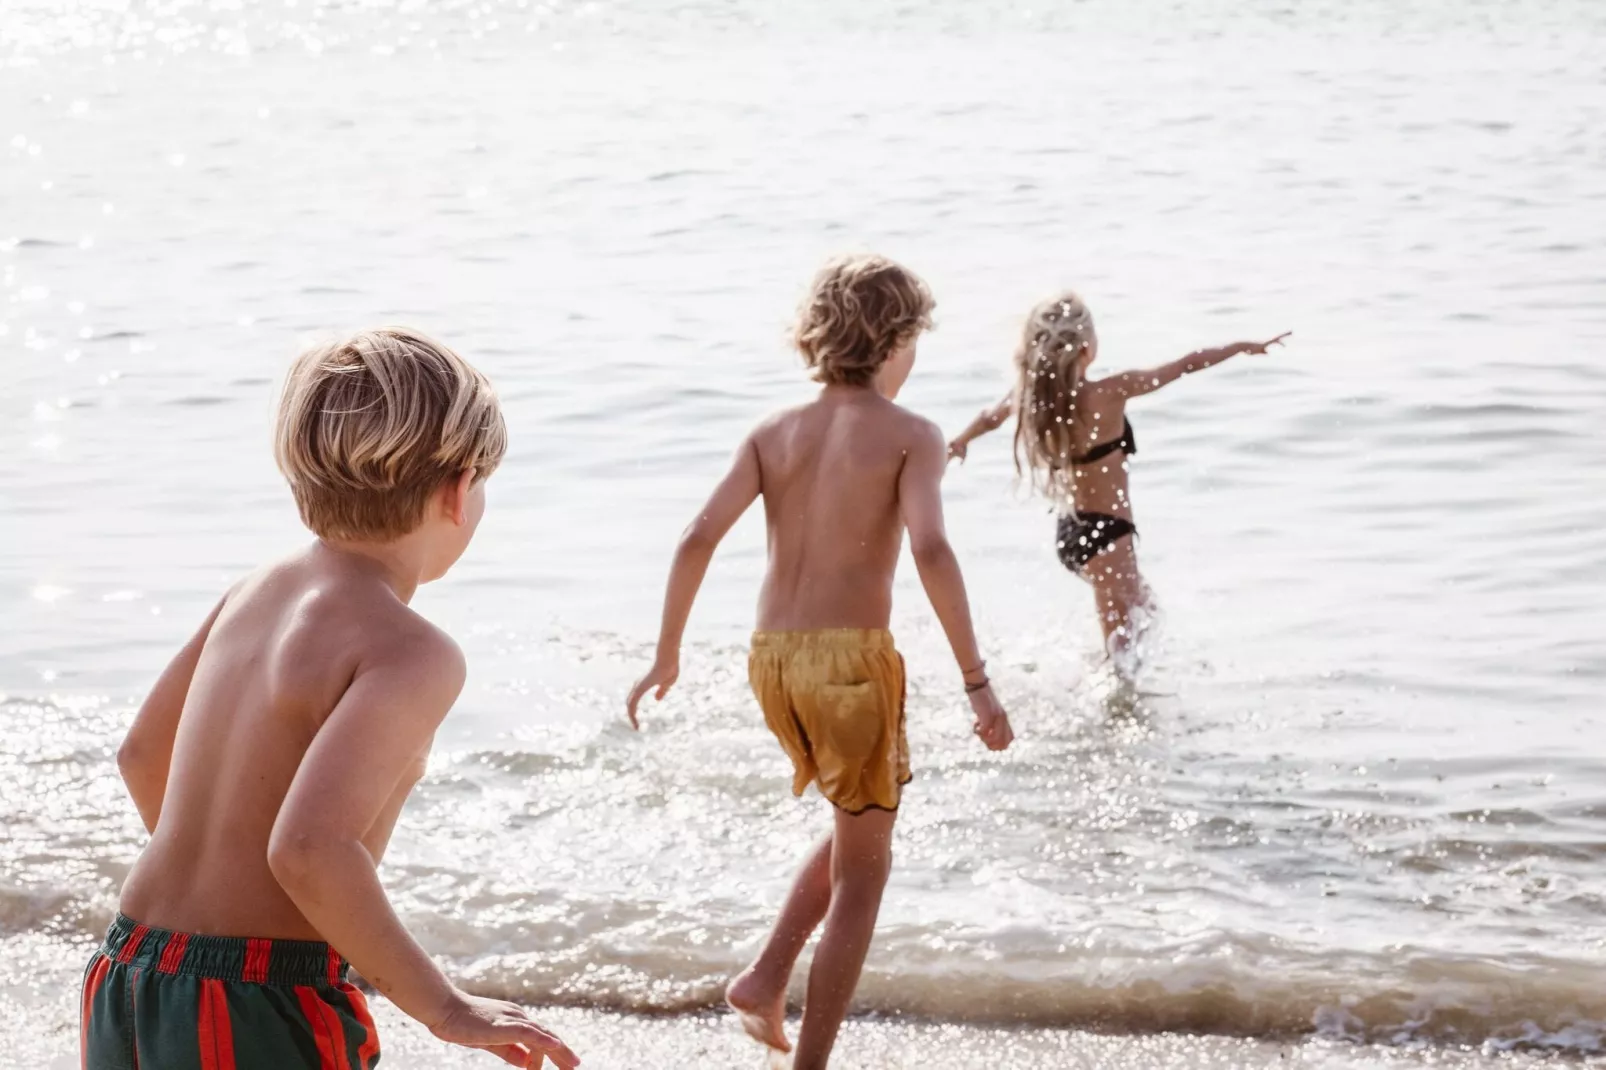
{"x":147,"y":750}
{"x":920,"y":502}
{"x":738,"y":490}
{"x":989,"y":419}
{"x":1134,"y":384}
{"x":318,"y":854}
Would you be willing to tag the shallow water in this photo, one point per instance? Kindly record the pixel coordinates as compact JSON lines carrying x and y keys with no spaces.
{"x":1362,"y":791}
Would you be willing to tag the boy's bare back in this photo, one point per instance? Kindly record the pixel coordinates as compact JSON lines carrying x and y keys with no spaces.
{"x":829,"y":473}
{"x":272,"y":757}
{"x":273,"y":663}
{"x":842,"y":477}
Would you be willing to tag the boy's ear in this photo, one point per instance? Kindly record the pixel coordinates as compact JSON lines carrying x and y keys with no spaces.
{"x":457,"y":491}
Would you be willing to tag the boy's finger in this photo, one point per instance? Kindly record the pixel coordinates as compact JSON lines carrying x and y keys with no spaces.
{"x":540,"y":1041}
{"x":561,"y":1060}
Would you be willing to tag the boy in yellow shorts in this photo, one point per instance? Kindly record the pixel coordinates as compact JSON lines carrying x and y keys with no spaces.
{"x":272,"y":757}
{"x":842,"y":477}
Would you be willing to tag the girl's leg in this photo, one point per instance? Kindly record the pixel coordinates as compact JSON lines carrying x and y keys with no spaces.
{"x":1118,"y":593}
{"x":758,"y":994}
{"x":861,"y":860}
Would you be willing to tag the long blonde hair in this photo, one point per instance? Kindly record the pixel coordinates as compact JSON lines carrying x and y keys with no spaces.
{"x":1048,"y":367}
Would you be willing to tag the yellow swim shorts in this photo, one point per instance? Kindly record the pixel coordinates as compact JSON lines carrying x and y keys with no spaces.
{"x":834,"y":698}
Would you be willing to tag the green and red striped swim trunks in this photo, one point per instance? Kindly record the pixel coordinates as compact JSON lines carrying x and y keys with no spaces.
{"x":172,"y":1001}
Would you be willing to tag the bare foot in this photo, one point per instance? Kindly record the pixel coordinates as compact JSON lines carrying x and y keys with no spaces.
{"x":761,"y":1008}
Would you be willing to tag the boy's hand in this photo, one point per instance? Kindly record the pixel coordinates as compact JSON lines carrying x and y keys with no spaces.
{"x":662,"y":676}
{"x":957,"y":450}
{"x":992,"y":723}
{"x":504,"y":1029}
{"x":1259,"y":349}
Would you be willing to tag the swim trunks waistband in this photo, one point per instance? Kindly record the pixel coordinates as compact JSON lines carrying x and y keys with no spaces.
{"x":858,"y":638}
{"x":225,"y":958}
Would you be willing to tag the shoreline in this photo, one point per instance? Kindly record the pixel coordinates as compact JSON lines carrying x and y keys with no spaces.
{"x":39,"y":997}
{"x":607,"y":1040}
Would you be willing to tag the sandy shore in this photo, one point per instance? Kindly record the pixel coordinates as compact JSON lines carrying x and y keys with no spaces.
{"x":39,"y":988}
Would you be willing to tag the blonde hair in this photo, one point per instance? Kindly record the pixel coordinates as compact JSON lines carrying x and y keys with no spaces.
{"x":858,"y":311}
{"x":1048,"y":365}
{"x":371,"y":425}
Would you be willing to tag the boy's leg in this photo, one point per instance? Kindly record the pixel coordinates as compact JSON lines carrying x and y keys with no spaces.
{"x":861,"y":859}
{"x":758,"y":993}
{"x":104,"y":1028}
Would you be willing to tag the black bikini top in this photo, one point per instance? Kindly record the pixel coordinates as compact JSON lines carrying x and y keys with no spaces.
{"x":1125,"y":444}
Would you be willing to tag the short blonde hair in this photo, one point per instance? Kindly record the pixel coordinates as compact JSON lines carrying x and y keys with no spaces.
{"x":858,"y":311}
{"x":371,"y":425}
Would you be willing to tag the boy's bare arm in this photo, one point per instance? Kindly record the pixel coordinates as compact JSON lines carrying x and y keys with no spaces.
{"x":147,"y":751}
{"x":377,"y":735}
{"x":920,"y":501}
{"x":989,"y":419}
{"x":731,"y":498}
{"x":1137,"y":383}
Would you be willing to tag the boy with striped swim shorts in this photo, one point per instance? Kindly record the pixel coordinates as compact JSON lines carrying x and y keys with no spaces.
{"x":274,"y":753}
{"x":842,"y":477}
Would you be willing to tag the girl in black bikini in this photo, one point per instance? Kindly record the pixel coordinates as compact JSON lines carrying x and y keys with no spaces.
{"x":1067,"y":446}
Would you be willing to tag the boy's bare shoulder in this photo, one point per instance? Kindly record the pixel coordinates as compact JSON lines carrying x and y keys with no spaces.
{"x":777,"y":422}
{"x":397,"y":638}
{"x":918,"y":432}
{"x":361,"y":624}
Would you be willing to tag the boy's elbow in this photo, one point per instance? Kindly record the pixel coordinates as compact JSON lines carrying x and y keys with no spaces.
{"x":295,"y":857}
{"x":134,"y":761}
{"x":127,"y":757}
{"x":698,"y":538}
{"x":930,"y":550}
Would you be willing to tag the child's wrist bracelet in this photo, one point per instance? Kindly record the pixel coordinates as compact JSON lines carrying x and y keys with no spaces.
{"x":981,"y":668}
{"x":982,"y":685}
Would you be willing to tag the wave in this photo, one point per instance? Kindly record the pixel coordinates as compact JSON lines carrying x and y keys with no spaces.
{"x":1410,"y":999}
{"x":1243,"y":987}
